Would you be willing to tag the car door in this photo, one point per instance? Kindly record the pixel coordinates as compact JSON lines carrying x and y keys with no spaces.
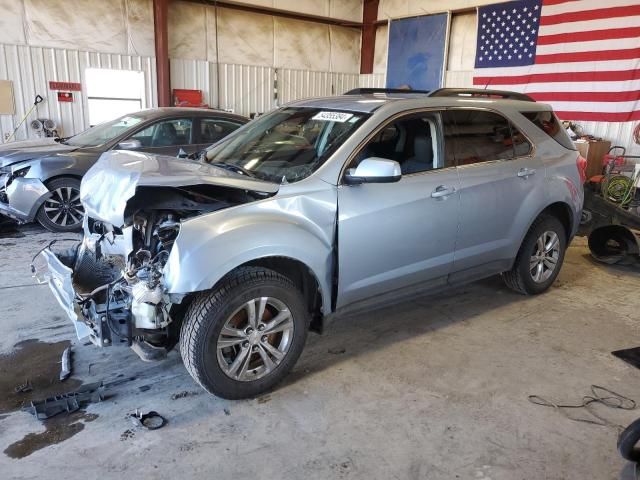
{"x":395,"y":236}
{"x":166,"y":137}
{"x":210,"y":130}
{"x":501,"y":182}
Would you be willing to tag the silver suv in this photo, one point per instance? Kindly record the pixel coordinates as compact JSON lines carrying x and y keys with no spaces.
{"x":321,"y":207}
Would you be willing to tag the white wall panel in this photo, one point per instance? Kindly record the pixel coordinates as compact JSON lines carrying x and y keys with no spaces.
{"x":462,"y":42}
{"x":341,"y":9}
{"x":12,"y":22}
{"x":31,"y":69}
{"x":245,"y":38}
{"x":458,"y":79}
{"x":402,"y":8}
{"x":187,"y":30}
{"x":246,"y":89}
{"x":302,"y":45}
{"x":345,"y":50}
{"x":372,"y":80}
{"x":296,"y":84}
{"x":380,"y":52}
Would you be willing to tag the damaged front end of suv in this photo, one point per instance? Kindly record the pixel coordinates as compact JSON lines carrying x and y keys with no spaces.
{"x":117,"y":283}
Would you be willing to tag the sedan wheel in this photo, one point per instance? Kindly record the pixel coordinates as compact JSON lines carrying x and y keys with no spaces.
{"x":64,"y":207}
{"x":63,"y":210}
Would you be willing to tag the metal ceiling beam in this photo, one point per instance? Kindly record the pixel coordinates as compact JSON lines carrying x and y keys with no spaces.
{"x":277,"y":12}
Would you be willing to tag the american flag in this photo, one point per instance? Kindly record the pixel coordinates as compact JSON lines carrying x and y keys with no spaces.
{"x":580,"y":56}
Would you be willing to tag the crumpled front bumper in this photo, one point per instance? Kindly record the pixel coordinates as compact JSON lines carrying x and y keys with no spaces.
{"x":22,"y":198}
{"x":48,"y":268}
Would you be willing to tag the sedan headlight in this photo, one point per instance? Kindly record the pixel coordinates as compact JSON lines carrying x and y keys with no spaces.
{"x":21,"y":172}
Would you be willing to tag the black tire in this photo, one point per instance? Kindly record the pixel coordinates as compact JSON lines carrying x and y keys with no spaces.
{"x":519,"y":278}
{"x":63,"y":222}
{"x":627,"y":442}
{"x":209,"y":312}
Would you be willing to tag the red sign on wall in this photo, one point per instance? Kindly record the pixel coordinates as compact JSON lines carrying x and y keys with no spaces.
{"x":65,"y":97}
{"x":65,"y":86}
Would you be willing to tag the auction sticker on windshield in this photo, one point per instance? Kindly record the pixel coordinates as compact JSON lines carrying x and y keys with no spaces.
{"x":339,"y":117}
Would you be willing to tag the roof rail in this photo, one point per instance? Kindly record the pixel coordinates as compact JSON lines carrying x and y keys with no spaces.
{"x":368,"y":91}
{"x":478,"y":92}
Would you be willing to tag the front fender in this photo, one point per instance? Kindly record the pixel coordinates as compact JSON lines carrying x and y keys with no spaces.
{"x":300,"y":227}
{"x":56,"y":166}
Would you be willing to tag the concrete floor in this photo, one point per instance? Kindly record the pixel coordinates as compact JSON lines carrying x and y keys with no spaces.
{"x":436,"y":388}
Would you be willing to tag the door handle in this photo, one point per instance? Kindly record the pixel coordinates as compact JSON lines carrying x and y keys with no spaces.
{"x":526,"y":172}
{"x":442,"y":191}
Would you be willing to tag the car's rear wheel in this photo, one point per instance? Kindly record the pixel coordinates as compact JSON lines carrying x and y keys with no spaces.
{"x":242,"y":338}
{"x":540,"y":257}
{"x":63,"y":210}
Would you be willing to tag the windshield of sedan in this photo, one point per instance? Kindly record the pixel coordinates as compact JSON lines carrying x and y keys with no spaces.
{"x":103,"y":132}
{"x":288,"y":144}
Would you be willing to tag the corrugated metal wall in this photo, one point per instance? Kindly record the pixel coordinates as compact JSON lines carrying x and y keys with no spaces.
{"x":31,"y":69}
{"x":295,"y":84}
{"x":247,"y":89}
{"x":618,"y":133}
{"x":372,"y":80}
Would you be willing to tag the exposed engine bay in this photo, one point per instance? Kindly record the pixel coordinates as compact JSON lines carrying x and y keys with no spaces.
{"x":118,"y":271}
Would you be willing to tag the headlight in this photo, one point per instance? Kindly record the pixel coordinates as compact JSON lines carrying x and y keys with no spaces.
{"x":20,"y":172}
{"x":17,"y":174}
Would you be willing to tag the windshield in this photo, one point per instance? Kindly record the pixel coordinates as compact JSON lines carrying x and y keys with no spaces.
{"x":103,"y":132}
{"x":288,"y":144}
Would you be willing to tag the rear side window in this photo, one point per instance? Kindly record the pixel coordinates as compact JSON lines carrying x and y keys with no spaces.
{"x":549,"y":124}
{"x":482,"y":136}
{"x":215,"y":129}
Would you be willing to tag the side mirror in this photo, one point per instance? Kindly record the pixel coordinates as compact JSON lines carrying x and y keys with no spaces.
{"x":182,"y":154}
{"x":374,"y":170}
{"x":130,"y":144}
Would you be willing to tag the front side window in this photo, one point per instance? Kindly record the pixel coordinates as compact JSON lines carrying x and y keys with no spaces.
{"x":412,"y":141}
{"x":288,"y":144}
{"x":166,"y":133}
{"x":104,"y":132}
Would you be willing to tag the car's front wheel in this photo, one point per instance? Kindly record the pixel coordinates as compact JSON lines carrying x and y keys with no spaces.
{"x":540,"y":257}
{"x":242,"y":338}
{"x":63,"y":210}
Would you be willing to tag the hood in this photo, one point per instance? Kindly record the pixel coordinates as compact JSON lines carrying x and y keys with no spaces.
{"x":112,"y":181}
{"x":14,"y":152}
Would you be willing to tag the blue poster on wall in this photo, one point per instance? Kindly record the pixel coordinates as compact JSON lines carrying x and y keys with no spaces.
{"x":416,"y":52}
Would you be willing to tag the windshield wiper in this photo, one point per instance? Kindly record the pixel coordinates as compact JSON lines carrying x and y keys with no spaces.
{"x":62,"y":140}
{"x":235,"y":168}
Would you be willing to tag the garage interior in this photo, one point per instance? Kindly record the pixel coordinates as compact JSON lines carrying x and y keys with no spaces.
{"x":461,"y":384}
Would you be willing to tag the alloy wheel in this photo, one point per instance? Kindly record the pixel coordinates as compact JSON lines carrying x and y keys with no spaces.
{"x":64,"y":207}
{"x":545,"y":257}
{"x":255,"y":339}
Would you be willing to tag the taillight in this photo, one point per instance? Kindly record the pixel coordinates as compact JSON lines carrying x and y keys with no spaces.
{"x":581,"y":162}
